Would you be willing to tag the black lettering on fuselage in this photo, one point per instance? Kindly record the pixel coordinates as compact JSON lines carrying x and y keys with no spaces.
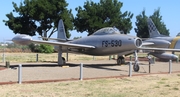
{"x":106,"y":43}
{"x":111,"y":43}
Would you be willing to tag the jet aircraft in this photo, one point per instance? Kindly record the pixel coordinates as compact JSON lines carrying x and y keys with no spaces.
{"x":161,"y":41}
{"x":105,"y":41}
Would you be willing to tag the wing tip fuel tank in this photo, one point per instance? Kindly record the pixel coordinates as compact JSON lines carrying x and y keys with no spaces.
{"x":22,"y":39}
{"x":164,"y":55}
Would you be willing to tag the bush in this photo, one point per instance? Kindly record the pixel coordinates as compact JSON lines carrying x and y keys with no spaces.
{"x":45,"y":48}
{"x":42,"y":48}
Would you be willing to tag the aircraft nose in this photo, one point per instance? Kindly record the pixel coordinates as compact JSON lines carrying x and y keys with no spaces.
{"x":22,"y":39}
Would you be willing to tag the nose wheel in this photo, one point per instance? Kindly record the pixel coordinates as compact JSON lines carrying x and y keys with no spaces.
{"x":136,"y":67}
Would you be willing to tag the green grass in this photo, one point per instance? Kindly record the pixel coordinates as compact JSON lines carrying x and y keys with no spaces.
{"x":175,"y":88}
{"x":167,"y":86}
{"x":157,"y":87}
{"x":164,"y":79}
{"x":161,"y":82}
{"x":178,"y":74}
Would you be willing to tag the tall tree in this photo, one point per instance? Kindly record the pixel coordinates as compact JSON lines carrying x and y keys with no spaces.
{"x":141,"y":23}
{"x":39,"y":16}
{"x":105,"y":13}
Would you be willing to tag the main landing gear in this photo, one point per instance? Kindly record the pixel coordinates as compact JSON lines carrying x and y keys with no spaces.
{"x":63,"y":61}
{"x":120,"y":60}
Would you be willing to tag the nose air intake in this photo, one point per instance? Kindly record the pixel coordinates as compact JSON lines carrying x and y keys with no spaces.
{"x":138,"y":42}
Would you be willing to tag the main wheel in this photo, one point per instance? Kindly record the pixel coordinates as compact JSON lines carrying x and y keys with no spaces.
{"x":120,"y":60}
{"x":64,"y":61}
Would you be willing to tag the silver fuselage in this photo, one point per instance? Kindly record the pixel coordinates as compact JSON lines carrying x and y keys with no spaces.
{"x":106,"y":44}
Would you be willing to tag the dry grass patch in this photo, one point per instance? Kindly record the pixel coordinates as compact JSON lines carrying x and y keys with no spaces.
{"x":42,"y":57}
{"x":53,"y":57}
{"x":139,"y":86}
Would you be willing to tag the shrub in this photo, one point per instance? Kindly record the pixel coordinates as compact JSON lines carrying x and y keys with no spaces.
{"x":42,"y":48}
{"x":45,"y":48}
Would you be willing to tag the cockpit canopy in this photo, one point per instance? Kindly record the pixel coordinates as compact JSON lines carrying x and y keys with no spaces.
{"x":107,"y":30}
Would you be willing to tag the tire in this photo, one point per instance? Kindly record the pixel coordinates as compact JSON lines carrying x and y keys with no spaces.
{"x":123,"y":60}
{"x":64,"y":61}
{"x":119,"y":61}
{"x":136,"y":67}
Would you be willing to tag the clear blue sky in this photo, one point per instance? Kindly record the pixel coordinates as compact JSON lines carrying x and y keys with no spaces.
{"x":169,"y":10}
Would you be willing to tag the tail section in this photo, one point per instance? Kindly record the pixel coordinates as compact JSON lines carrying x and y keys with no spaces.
{"x":61,"y":31}
{"x":153,"y":32}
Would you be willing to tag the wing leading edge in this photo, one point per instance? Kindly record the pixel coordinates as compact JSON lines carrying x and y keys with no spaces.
{"x":25,"y":39}
{"x":63,"y":44}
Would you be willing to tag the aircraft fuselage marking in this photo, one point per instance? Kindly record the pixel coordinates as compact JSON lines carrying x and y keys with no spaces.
{"x":111,"y":43}
{"x":173,"y":42}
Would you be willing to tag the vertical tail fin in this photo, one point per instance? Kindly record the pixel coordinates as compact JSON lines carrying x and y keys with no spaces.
{"x":61,"y":31}
{"x":153,"y":32}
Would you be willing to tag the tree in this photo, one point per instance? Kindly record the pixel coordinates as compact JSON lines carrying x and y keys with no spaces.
{"x":39,"y":16}
{"x":98,"y":15}
{"x":141,"y":23}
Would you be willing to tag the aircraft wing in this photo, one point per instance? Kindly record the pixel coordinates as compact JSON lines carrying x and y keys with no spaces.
{"x":62,"y":44}
{"x":25,"y":39}
{"x":159,"y":49}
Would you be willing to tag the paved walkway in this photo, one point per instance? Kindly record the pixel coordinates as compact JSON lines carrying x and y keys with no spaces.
{"x":91,"y":69}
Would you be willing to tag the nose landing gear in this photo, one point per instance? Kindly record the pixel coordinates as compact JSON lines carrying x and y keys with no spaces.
{"x":136,"y":63}
{"x":136,"y":67}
